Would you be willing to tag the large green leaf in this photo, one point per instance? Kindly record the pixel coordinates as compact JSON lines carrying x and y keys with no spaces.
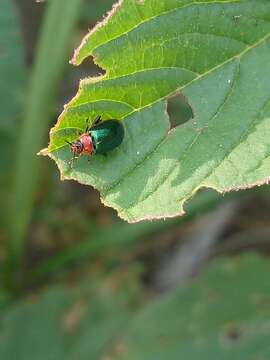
{"x":218,"y":53}
{"x":224,"y":314}
{"x":72,"y":323}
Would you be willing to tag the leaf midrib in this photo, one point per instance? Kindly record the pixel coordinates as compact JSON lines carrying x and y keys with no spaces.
{"x":189,"y":146}
{"x":201,"y":184}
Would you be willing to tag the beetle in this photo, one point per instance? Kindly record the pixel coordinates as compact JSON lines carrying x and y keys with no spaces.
{"x":100,"y":138}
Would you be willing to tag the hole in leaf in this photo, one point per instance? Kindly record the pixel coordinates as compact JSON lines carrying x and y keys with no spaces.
{"x":91,"y":14}
{"x":179,"y":110}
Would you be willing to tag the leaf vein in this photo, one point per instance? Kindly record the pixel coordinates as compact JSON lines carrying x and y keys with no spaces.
{"x":162,"y":14}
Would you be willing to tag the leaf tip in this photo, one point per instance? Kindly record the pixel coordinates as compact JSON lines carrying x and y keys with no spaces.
{"x":43,"y":152}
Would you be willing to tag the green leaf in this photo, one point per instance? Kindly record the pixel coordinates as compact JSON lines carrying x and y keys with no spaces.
{"x":12,"y":69}
{"x":224,"y":314}
{"x":73,"y":322}
{"x":217,"y":53}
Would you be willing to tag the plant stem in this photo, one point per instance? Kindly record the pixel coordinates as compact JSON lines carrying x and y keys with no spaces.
{"x":54,"y":45}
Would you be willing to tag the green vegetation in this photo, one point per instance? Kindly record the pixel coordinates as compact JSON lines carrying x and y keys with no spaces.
{"x":161,"y":50}
{"x":76,"y":281}
{"x":224,"y":313}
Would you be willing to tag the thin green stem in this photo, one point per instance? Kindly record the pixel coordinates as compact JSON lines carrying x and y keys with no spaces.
{"x":54,"y":46}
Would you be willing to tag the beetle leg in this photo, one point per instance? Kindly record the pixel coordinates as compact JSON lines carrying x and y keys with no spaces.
{"x":71,"y":162}
{"x":97,"y":120}
{"x":87,"y":125}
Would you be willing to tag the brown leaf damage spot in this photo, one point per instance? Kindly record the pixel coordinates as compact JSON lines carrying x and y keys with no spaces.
{"x":74,"y":316}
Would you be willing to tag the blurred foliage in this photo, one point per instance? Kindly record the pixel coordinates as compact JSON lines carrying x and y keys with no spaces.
{"x":51,"y":59}
{"x":223,"y":314}
{"x":12,"y":75}
{"x":103,"y":306}
{"x":12,"y":68}
{"x":93,"y":10}
{"x":76,"y":322}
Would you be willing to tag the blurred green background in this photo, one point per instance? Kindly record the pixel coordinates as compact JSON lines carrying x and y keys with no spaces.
{"x":76,"y":282}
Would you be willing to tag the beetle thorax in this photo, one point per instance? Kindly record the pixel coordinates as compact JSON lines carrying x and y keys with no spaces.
{"x":87,"y":144}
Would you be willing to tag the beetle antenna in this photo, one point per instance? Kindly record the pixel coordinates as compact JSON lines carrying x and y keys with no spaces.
{"x":87,"y":125}
{"x":68,"y":142}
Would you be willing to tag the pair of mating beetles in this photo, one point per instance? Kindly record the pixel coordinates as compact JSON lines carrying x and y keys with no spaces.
{"x":100,"y":138}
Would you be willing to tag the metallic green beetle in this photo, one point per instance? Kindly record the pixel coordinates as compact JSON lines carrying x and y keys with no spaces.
{"x":100,"y":138}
